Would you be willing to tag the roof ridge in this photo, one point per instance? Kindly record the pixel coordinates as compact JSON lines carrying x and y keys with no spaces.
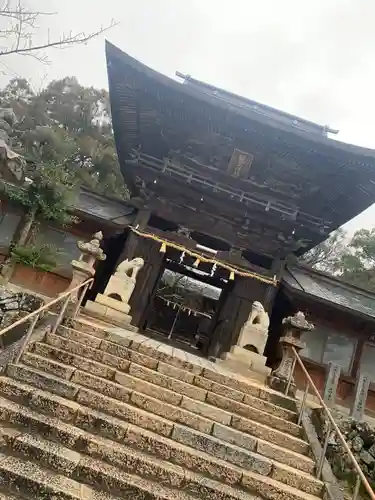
{"x":323,"y":128}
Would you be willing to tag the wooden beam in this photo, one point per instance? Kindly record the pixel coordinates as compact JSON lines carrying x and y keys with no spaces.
{"x":204,"y":223}
{"x":129,"y":250}
{"x":178,"y":268}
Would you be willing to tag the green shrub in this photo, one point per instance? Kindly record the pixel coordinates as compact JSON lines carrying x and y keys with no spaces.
{"x":43,"y":257}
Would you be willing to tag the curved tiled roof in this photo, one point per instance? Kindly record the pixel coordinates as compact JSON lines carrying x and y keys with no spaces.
{"x":326,"y":182}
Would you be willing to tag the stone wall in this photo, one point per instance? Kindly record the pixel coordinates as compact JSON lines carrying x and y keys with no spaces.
{"x":360,"y":437}
{"x":13,"y":306}
{"x":8,"y":354}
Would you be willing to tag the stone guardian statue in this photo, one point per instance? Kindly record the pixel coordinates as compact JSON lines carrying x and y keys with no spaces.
{"x":246,"y":356}
{"x":113,"y":304}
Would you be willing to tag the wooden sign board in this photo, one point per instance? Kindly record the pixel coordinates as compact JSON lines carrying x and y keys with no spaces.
{"x":240,"y":164}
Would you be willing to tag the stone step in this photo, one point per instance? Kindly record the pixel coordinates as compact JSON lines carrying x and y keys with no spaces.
{"x":241,"y":403}
{"x":235,"y":447}
{"x":147,"y":441}
{"x":30,"y":480}
{"x":95,"y":326}
{"x":180,"y":359}
{"x":93,"y":348}
{"x":104,"y":465}
{"x":64,"y":460}
{"x":34,"y":481}
{"x":208,"y":404}
{"x":153,"y":434}
{"x":191,"y":413}
{"x":97,"y":317}
{"x":116,"y":401}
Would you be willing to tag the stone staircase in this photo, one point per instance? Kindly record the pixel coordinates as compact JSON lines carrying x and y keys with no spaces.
{"x":100,"y":413}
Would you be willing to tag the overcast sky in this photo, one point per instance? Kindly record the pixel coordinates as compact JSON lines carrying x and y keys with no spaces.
{"x":312,"y":58}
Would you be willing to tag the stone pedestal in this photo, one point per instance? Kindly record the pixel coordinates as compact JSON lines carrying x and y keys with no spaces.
{"x":242,"y":361}
{"x":108,"y":309}
{"x":113,"y":305}
{"x":247,"y":354}
{"x":283,"y":376}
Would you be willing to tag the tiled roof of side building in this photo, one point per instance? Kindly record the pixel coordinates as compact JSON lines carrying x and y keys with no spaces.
{"x":330,"y":289}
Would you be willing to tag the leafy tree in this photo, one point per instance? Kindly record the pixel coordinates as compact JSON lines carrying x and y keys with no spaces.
{"x":67,"y":122}
{"x":64,"y":133}
{"x":47,"y":196}
{"x":351,"y":260}
{"x":358,"y":264}
{"x":327,"y":256}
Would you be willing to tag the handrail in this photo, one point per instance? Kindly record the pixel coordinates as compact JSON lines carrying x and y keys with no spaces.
{"x":332,"y":423}
{"x":35,"y":314}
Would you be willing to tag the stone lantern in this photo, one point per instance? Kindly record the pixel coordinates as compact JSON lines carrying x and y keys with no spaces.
{"x":83,"y":268}
{"x":282,"y":377}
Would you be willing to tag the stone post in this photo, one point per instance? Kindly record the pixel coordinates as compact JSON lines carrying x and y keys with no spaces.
{"x":294,"y":326}
{"x":83,"y":269}
{"x":330,"y":388}
{"x":357,"y":410}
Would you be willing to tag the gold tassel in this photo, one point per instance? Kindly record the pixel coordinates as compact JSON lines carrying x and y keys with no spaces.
{"x":231,"y":276}
{"x":163,"y":248}
{"x":196,"y":263}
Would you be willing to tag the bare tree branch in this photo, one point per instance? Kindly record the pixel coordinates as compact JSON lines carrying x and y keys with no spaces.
{"x":9,"y":12}
{"x":16,"y":13}
{"x":21,"y":28}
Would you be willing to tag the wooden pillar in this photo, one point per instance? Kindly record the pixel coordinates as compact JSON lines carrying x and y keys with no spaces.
{"x":277,"y":268}
{"x":141,"y":299}
{"x":130,"y":247}
{"x":218,"y":326}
